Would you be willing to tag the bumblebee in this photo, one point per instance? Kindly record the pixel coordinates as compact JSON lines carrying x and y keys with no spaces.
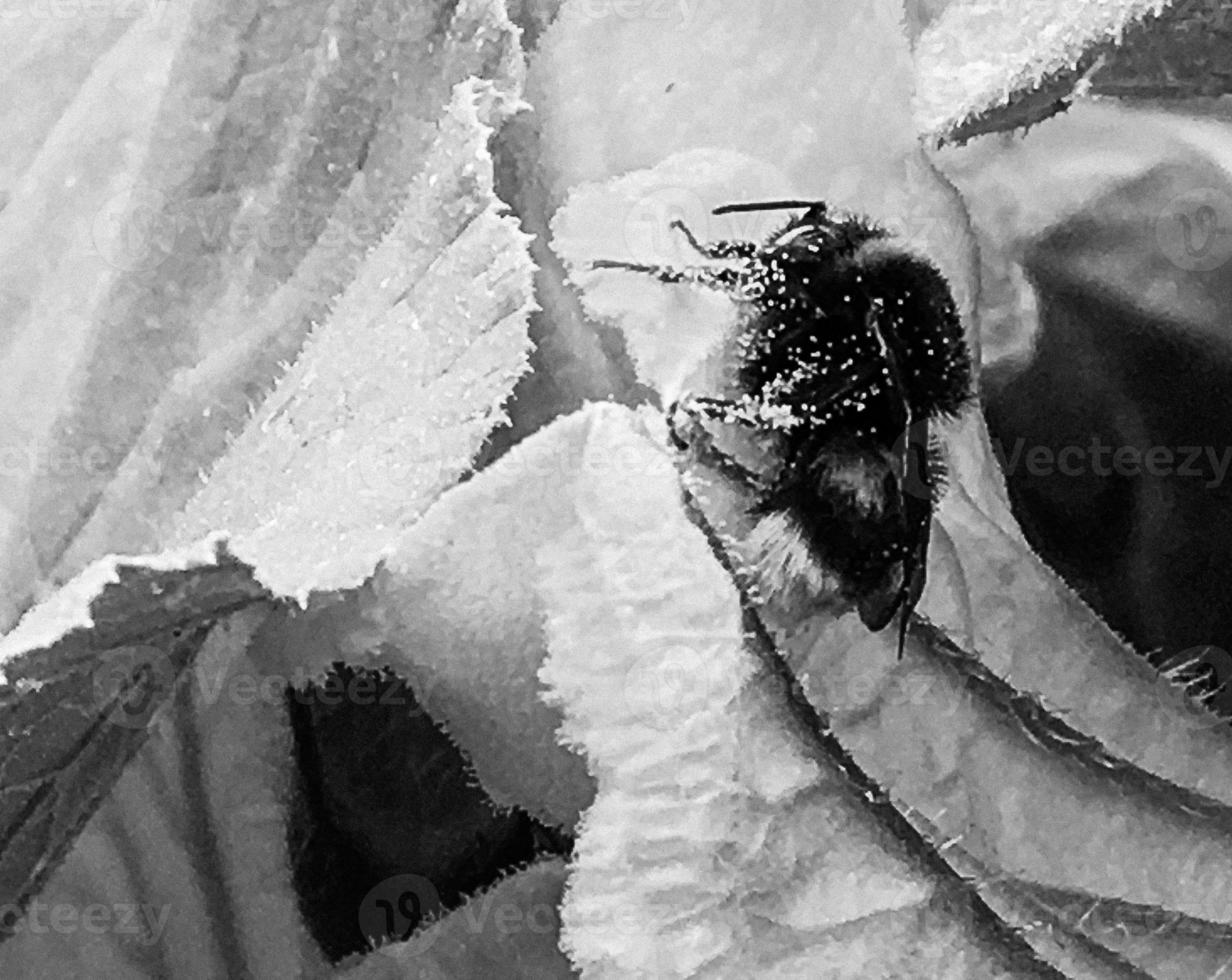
{"x":850,"y":349}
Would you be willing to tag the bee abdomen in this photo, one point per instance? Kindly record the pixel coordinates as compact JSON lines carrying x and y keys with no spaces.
{"x":848,"y":512}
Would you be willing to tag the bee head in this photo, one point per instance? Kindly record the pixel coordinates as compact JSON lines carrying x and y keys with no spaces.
{"x":814,"y":231}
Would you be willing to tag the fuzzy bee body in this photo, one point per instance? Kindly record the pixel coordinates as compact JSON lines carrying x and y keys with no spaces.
{"x":849,"y":349}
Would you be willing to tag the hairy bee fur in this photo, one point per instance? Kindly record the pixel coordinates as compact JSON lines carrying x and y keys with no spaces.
{"x":850,"y":351}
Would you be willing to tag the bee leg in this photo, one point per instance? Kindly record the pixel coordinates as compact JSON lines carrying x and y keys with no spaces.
{"x":913,"y":585}
{"x":722,"y":249}
{"x":701,"y":443}
{"x":720,"y":410}
{"x":904,"y":616}
{"x":724,"y":280}
{"x":918,"y":511}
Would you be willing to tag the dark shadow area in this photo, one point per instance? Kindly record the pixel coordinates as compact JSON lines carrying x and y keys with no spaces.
{"x":391,"y":827}
{"x":1116,"y":434}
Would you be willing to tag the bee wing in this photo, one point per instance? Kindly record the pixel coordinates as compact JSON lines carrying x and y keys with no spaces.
{"x":903,"y":427}
{"x":918,"y":492}
{"x":909,"y":512}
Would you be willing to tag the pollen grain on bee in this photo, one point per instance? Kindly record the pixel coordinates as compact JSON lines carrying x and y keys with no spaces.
{"x":825,"y":372}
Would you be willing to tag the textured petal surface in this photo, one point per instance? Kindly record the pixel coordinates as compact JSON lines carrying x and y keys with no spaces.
{"x":392,"y":397}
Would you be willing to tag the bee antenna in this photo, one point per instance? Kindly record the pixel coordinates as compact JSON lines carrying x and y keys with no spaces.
{"x":768,"y":206}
